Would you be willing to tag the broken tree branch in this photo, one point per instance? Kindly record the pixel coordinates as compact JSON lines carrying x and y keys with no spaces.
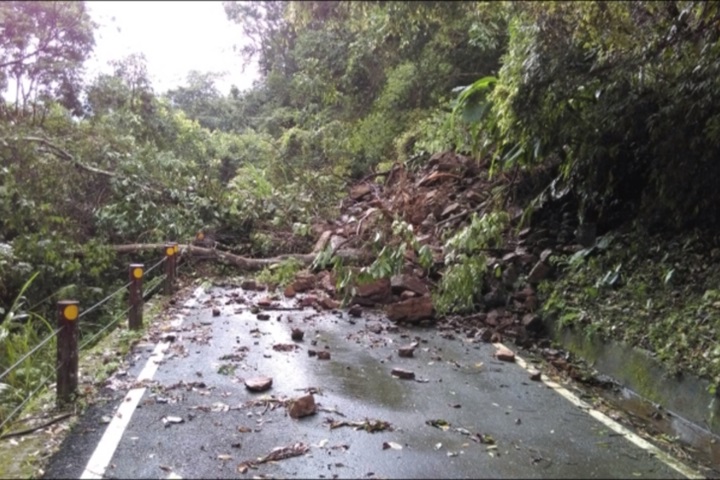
{"x":36,"y":428}
{"x":65,"y":155}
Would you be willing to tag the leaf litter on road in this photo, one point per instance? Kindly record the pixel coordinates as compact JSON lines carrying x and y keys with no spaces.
{"x":285,"y":347}
{"x":443,"y":425}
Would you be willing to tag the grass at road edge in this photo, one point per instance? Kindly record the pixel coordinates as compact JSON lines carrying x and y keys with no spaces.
{"x":25,"y":456}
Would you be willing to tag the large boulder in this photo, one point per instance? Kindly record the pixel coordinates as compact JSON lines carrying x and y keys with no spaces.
{"x":411,"y":310}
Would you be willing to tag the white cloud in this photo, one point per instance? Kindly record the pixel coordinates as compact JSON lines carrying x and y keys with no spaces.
{"x":175,"y":37}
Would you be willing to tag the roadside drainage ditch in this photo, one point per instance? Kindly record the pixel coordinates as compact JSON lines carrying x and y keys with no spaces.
{"x":679,"y":407}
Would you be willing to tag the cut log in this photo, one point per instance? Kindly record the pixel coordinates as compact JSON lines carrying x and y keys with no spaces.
{"x":244,"y":263}
{"x":322,"y":241}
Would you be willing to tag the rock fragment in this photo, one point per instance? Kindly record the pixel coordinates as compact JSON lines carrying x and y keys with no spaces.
{"x":289,"y":292}
{"x":402,"y":373}
{"x":411,"y":310}
{"x":504,"y":354}
{"x":407,"y":350}
{"x":297,"y":334}
{"x":302,"y":406}
{"x":258,"y":384}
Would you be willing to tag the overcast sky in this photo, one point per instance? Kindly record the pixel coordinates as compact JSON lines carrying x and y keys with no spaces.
{"x":175,"y":37}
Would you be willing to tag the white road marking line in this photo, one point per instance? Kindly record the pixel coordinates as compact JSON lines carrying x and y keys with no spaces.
{"x":111,"y":438}
{"x":105,"y":450}
{"x":616,"y":427}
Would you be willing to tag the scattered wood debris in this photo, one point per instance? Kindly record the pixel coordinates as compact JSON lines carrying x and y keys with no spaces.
{"x":277,"y":454}
{"x":370,"y":426}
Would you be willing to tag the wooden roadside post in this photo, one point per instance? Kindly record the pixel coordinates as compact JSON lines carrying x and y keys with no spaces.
{"x":176,"y":259}
{"x":67,"y":351}
{"x":135,"y":314}
{"x":169,"y":268}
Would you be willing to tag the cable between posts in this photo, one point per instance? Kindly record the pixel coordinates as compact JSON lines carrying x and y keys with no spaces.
{"x":104,"y":300}
{"x":116,"y":292}
{"x":97,"y":334}
{"x":113,"y":322}
{"x":43,"y":383}
{"x":34,"y":349}
{"x":148,"y":293}
{"x":156,"y":265}
{"x":30,"y":309}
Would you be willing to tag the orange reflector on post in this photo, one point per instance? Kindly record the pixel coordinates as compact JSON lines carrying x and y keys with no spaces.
{"x":70,"y":312}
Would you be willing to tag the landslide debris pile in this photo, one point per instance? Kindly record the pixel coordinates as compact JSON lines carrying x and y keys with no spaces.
{"x":436,"y":201}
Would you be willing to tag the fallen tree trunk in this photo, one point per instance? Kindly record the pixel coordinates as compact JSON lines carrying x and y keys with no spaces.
{"x":244,"y":263}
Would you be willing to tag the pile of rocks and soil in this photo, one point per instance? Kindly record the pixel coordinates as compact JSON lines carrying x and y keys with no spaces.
{"x":436,"y":201}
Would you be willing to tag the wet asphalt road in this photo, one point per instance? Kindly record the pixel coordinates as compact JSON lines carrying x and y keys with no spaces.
{"x":529,"y":431}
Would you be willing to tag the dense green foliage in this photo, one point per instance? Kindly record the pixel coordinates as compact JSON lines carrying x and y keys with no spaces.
{"x":618,"y":99}
{"x":625,"y":96}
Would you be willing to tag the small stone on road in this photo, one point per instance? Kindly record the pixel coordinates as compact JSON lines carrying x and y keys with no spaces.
{"x":402,"y":373}
{"x":258,"y":384}
{"x":302,"y":406}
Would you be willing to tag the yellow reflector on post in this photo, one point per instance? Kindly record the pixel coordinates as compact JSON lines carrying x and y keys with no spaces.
{"x":176,"y":247}
{"x":70,"y":312}
{"x":170,"y":251}
{"x":137,"y":272}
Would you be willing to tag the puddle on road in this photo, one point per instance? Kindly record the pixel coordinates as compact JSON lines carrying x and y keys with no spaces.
{"x":366,"y":380}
